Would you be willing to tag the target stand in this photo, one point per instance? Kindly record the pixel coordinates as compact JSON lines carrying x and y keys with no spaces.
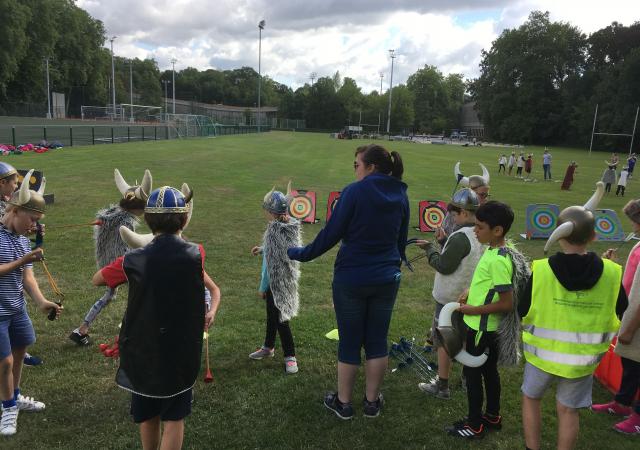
{"x":34,"y":183}
{"x":541,"y":220}
{"x":331,"y":203}
{"x":303,"y":206}
{"x":431,"y":215}
{"x":608,"y":226}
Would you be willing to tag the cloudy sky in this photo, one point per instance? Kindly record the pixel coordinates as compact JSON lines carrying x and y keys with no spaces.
{"x":353,"y":36}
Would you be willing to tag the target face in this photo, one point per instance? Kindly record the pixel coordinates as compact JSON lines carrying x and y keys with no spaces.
{"x":34,"y":182}
{"x":332,"y":202}
{"x":432,"y":213}
{"x":303,"y":206}
{"x":542,"y":219}
{"x":608,"y":226}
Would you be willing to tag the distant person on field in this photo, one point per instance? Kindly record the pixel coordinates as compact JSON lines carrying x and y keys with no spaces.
{"x":502,"y":163}
{"x":568,"y":322}
{"x":568,"y":176}
{"x":546,"y":164}
{"x":628,"y":345}
{"x":511,"y":163}
{"x":528,"y":165}
{"x":609,"y":177}
{"x":622,"y":181}
{"x":631,"y":164}
{"x":520,"y":164}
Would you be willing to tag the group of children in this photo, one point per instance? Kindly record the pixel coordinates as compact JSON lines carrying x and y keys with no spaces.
{"x":565,"y":309}
{"x":609,"y":176}
{"x":520,"y":162}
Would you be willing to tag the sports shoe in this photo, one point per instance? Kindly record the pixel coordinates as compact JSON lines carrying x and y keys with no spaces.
{"x":9,"y":421}
{"x":291,"y":364}
{"x":79,"y":338}
{"x":343,"y":410}
{"x":614,"y":408}
{"x":629,"y":426}
{"x":262,"y":353}
{"x":433,"y":388}
{"x":29,"y":404}
{"x":464,"y":429}
{"x":492,"y":423}
{"x":372,"y":409}
{"x":30,"y":360}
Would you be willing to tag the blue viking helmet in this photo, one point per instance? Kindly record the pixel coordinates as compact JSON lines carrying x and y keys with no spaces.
{"x":6,"y":170}
{"x":167,"y":200}
{"x":276,"y":202}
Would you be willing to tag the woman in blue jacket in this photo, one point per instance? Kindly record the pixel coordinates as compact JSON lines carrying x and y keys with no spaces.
{"x":371,"y":218}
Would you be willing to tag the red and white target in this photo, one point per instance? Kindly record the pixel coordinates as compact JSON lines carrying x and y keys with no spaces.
{"x":303,"y":206}
{"x":432,"y":213}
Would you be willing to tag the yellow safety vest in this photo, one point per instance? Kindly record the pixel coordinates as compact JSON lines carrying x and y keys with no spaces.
{"x":566,"y":333}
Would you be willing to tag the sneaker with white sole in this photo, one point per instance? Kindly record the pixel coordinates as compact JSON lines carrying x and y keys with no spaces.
{"x":262,"y":353}
{"x":9,"y":421}
{"x":434,"y":389}
{"x":291,"y":364}
{"x":29,"y":404}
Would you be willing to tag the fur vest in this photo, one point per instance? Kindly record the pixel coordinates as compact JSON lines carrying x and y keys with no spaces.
{"x":632,"y":350}
{"x":447,"y":288}
{"x":109,"y":244}
{"x":283,"y":272}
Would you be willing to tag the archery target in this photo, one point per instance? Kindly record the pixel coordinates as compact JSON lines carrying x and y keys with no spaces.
{"x":332,"y":202}
{"x":303,"y":206}
{"x":432,"y":213}
{"x":34,"y":182}
{"x":608,"y":226}
{"x":542,"y":219}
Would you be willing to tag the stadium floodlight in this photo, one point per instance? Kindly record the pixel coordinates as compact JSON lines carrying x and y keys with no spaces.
{"x":392,"y":54}
{"x":381,"y":77}
{"x":131,"y":86}
{"x":113,"y":77}
{"x":313,"y":76}
{"x":261,"y":25}
{"x":173,"y":83}
{"x":46,"y":60}
{"x":166,"y":107}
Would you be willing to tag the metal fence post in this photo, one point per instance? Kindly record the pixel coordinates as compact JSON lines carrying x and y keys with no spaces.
{"x":128,"y":134}
{"x":71,"y":136}
{"x":44,"y":132}
{"x":142,"y":133}
{"x":112,"y":135}
{"x":93,"y":135}
{"x":13,"y":135}
{"x":166,"y":130}
{"x":155,"y":133}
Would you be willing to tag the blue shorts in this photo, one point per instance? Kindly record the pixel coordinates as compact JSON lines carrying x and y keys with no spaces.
{"x":16,"y":331}
{"x":363,"y":314}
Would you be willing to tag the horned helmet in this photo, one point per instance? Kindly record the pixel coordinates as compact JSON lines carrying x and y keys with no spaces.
{"x":129,"y":192}
{"x":276,"y":202}
{"x":473,"y":181}
{"x":27,"y":198}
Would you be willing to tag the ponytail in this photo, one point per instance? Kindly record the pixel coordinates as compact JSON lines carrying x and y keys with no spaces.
{"x":385,"y":162}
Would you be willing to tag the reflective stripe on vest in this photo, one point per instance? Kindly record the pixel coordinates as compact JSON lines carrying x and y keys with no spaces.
{"x":567,"y":332}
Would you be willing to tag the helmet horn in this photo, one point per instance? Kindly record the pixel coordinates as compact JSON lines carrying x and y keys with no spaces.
{"x":122,"y":185}
{"x":24,"y":195}
{"x":561,"y":232}
{"x":461,"y":179}
{"x":485,"y":174}
{"x":592,"y":203}
{"x":133,"y":239}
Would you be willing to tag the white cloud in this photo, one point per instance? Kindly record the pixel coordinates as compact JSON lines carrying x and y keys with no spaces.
{"x":323,"y":36}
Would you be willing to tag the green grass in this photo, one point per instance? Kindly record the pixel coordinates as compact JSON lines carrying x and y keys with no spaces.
{"x":253,"y":404}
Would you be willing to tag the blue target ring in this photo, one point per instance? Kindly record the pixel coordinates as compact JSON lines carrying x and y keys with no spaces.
{"x":544,"y":220}
{"x":605,"y":226}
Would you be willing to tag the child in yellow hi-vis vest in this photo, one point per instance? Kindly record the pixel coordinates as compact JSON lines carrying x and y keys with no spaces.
{"x":569,"y":316}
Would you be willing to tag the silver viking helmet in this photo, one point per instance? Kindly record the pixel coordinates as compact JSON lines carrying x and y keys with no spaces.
{"x":452,"y":340}
{"x":465,"y":199}
{"x":474,"y":181}
{"x":141,"y":192}
{"x":577,"y":223}
{"x":27,"y":198}
{"x":136,"y":240}
{"x":276,"y":202}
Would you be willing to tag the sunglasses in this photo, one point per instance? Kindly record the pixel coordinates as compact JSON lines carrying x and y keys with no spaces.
{"x":483,"y":195}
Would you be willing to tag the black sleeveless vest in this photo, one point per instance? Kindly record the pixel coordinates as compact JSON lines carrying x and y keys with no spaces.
{"x":161,"y":334}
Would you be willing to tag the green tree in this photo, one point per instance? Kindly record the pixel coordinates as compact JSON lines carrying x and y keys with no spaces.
{"x":14,"y":17}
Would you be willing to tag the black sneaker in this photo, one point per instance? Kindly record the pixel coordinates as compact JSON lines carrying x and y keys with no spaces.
{"x":464,"y":429}
{"x":372,"y":409}
{"x":80,"y":339}
{"x":492,"y":423}
{"x":343,"y":410}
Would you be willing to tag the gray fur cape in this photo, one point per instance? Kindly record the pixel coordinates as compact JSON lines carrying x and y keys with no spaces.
{"x":109,"y":244}
{"x":509,"y":332}
{"x":283,"y":272}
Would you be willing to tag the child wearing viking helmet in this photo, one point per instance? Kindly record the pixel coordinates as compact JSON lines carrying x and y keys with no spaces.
{"x":8,"y":184}
{"x":279,"y":280}
{"x":569,"y":317}
{"x":24,"y":209}
{"x":109,"y":245}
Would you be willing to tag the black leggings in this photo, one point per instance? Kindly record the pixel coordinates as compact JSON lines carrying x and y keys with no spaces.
{"x":487,"y":372}
{"x":518,"y":171}
{"x":630,"y":383}
{"x":275,"y":326}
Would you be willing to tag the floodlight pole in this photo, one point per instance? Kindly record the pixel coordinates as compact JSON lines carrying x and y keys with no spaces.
{"x":48,"y":91}
{"x":393,"y":56}
{"x":173,"y":83}
{"x":113,"y":77}
{"x":381,"y":77}
{"x":166,"y":107}
{"x":131,"y":88}
{"x":261,"y":25}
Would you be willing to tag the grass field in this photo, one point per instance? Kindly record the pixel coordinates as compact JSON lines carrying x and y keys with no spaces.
{"x":252,"y":404}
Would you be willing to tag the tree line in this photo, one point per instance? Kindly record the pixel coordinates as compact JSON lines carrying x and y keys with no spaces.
{"x":539,"y":83}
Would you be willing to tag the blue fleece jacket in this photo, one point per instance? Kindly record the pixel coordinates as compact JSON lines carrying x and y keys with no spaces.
{"x":372,"y":220}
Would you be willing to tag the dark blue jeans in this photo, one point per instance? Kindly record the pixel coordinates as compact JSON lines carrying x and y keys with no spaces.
{"x":363,"y":314}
